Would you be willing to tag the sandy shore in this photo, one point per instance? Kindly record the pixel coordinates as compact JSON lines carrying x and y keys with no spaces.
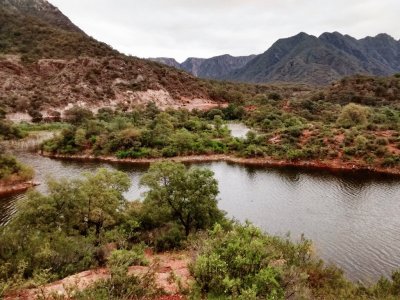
{"x":334,"y":165}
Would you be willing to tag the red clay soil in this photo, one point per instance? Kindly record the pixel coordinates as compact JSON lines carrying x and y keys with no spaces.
{"x":15,"y":188}
{"x":201,"y":104}
{"x":171,"y":297}
{"x":330,"y":165}
{"x":305,"y":137}
{"x":166,"y":266}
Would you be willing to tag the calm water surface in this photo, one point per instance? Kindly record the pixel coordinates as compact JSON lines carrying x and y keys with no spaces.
{"x":353,"y":220}
{"x":238,"y":130}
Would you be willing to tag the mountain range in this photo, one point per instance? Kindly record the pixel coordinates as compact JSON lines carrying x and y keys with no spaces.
{"x":212,"y":68}
{"x":303,"y":58}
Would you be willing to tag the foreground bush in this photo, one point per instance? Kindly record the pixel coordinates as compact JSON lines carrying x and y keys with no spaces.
{"x":62,"y":232}
{"x":122,"y":285}
{"x":70,"y":229}
{"x":244,"y":263}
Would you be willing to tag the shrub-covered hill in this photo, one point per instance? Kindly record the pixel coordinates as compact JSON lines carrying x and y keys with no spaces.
{"x":41,"y":9}
{"x":43,"y":63}
{"x":366,"y":90}
{"x":32,"y":39}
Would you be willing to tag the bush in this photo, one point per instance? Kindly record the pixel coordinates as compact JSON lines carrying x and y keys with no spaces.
{"x":274,"y":96}
{"x":391,"y":161}
{"x":12,"y":170}
{"x":243,"y":261}
{"x":62,"y":230}
{"x":77,"y":115}
{"x":187,"y":196}
{"x":353,"y":115}
{"x":121,"y":285}
{"x":134,"y":257}
{"x":171,"y":239}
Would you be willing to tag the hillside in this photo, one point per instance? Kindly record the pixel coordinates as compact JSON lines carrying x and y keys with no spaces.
{"x":42,"y":10}
{"x":45,"y":66}
{"x":366,"y":90}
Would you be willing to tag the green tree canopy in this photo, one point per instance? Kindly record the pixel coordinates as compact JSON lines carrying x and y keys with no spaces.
{"x":63,"y":230}
{"x":189,"y":196}
{"x":76,"y":205}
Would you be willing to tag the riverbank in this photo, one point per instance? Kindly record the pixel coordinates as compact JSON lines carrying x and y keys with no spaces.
{"x":11,"y":188}
{"x":333,"y":165}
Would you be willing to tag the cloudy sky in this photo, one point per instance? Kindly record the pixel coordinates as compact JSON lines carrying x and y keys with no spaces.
{"x":206,"y":28}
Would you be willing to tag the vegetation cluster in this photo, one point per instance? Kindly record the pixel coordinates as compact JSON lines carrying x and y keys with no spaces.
{"x":313,"y":128}
{"x":11,"y":171}
{"x":69,"y":229}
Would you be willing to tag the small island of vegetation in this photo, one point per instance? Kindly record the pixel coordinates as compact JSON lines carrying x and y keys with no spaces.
{"x":14,"y":176}
{"x":317,"y":130}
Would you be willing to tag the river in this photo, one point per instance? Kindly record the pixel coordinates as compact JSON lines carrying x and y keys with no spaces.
{"x":353,"y":219}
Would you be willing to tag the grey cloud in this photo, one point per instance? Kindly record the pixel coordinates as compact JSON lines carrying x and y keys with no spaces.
{"x":204,"y":28}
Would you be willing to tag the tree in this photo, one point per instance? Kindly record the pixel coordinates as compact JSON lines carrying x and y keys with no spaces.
{"x":77,"y":115}
{"x":183,"y":141}
{"x":62,"y":231}
{"x":36,"y":115}
{"x":83,"y":205}
{"x":188,"y":195}
{"x":162,"y":129}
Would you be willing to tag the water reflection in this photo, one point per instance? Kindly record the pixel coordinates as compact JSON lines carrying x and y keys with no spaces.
{"x":238,"y":130}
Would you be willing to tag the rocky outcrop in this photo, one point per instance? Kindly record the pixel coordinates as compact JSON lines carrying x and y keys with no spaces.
{"x":164,"y":266}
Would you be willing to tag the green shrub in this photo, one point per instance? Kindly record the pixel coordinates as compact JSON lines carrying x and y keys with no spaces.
{"x":171,"y":239}
{"x":121,"y":285}
{"x":134,"y":257}
{"x":243,"y":261}
{"x":391,"y":161}
{"x":382,"y":141}
{"x":353,"y":115}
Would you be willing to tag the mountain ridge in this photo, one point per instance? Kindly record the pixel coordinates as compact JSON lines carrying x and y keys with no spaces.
{"x":208,"y":68}
{"x":305,"y":58}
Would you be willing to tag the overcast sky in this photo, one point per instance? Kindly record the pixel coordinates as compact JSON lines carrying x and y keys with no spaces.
{"x":206,"y":28}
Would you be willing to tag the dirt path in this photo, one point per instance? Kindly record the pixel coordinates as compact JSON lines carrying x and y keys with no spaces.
{"x":169,"y":268}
